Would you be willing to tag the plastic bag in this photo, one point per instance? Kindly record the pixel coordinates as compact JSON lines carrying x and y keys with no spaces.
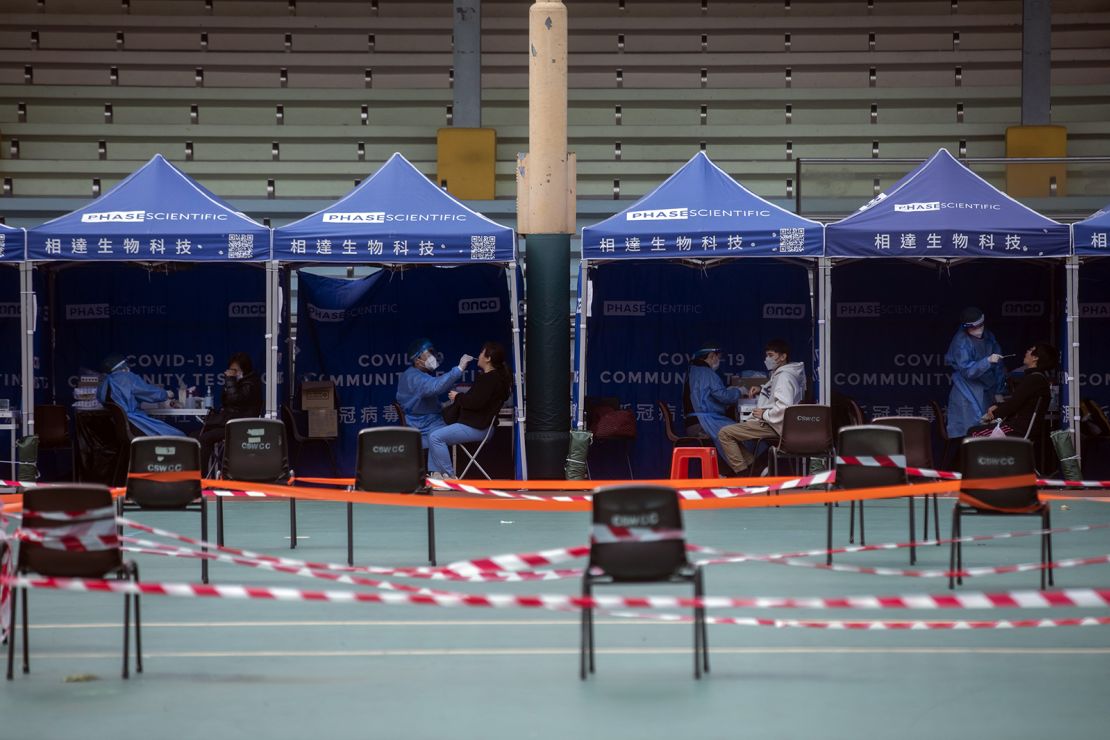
{"x":575,"y":468}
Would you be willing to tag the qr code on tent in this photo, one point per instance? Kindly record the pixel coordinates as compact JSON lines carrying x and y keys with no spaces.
{"x":240,"y":246}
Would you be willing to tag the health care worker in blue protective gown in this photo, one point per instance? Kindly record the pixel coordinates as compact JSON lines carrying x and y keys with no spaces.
{"x":978,"y":377}
{"x":127,"y":390}
{"x":707,"y":398}
{"x":419,"y":390}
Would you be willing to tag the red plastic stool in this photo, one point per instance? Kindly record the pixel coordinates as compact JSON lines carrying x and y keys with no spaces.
{"x":681,"y":457}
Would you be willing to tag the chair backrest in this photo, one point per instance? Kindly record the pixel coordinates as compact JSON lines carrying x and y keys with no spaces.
{"x":941,"y":416}
{"x":628,"y":512}
{"x":164,"y":455}
{"x":668,"y":421}
{"x":869,"y":440}
{"x":290,"y":422}
{"x":121,"y":423}
{"x":389,"y":459}
{"x":400,"y":411}
{"x":917,"y":438}
{"x":98,"y":518}
{"x":807,"y":430}
{"x":855,"y":413}
{"x":52,"y":426}
{"x":997,"y":457}
{"x":255,"y":450}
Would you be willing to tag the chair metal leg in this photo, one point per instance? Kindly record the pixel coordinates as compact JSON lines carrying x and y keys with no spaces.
{"x":936,"y":517}
{"x":828,"y":533}
{"x":292,"y":523}
{"x":138,"y":624}
{"x":12,"y":624}
{"x":431,"y":535}
{"x":590,"y":627}
{"x":862,"y":535}
{"x":913,"y":536}
{"x":925,"y":521}
{"x":26,"y":634}
{"x":126,"y":635}
{"x":1048,"y":543}
{"x":204,"y":538}
{"x":952,"y":547}
{"x":851,"y":524}
{"x":960,"y":550}
{"x":350,"y":533}
{"x":701,"y":634}
{"x":220,"y":521}
{"x":583,"y":643}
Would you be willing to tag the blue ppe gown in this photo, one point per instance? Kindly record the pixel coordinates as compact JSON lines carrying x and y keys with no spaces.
{"x":709,"y":399}
{"x":128,"y":390}
{"x":419,"y":393}
{"x":975,"y":381}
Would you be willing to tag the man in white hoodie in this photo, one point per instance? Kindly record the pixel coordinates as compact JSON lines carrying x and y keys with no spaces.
{"x":784,"y":388}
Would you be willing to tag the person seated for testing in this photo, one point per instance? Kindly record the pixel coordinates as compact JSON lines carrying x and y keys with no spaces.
{"x":241,"y":398}
{"x":471,"y":413}
{"x":706,"y":400}
{"x":419,"y":389}
{"x":784,"y":388}
{"x":978,"y":377}
{"x":128,"y":390}
{"x":1014,"y":416}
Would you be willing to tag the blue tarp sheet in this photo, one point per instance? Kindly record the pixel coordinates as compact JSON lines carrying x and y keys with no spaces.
{"x":157,"y":213}
{"x":943,"y":209}
{"x":700,"y":211}
{"x":1091,"y":236}
{"x":397,"y":216}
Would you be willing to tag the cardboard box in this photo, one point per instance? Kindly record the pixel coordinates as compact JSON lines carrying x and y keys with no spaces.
{"x":323,"y":423}
{"x":317,"y":394}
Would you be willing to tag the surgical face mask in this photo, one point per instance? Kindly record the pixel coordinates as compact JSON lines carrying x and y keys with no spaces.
{"x":770,"y":363}
{"x":430,"y":362}
{"x":977,"y":331}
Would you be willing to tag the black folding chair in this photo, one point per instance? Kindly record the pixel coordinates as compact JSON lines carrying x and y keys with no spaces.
{"x":917,"y":438}
{"x":637,"y":537}
{"x":255,"y":450}
{"x":390,"y":460}
{"x":167,"y":455}
{"x":85,"y":512}
{"x":472,"y":457}
{"x":806,"y":432}
{"x":869,"y":440}
{"x":997,"y":457}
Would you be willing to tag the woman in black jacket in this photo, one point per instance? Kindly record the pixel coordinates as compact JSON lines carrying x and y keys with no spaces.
{"x":1029,"y":403}
{"x":241,"y":399}
{"x":471,"y":414}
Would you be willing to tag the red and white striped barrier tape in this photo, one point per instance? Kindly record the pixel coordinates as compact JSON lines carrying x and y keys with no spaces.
{"x":87,"y":535}
{"x":1084,"y":598}
{"x":70,"y":516}
{"x":7,"y":572}
{"x":1054,"y":483}
{"x":876,"y":461}
{"x":226,"y":493}
{"x":872,"y":625}
{"x":943,"y":572}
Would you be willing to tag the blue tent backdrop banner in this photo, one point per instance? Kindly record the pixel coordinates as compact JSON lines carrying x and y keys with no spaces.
{"x":892,"y":323}
{"x":177,"y":326}
{"x":155,"y":213}
{"x":1094,"y":327}
{"x":647,"y":319}
{"x":700,"y":211}
{"x":356,"y":333}
{"x":397,"y":216}
{"x":10,"y":373}
{"x":943,"y":209}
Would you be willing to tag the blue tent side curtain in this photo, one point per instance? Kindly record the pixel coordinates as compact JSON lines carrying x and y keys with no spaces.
{"x":396,"y":216}
{"x":157,"y":213}
{"x":943,"y":209}
{"x":702,"y":212}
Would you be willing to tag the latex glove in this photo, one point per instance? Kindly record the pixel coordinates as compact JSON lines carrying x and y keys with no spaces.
{"x":452,"y":394}
{"x":995,"y":358}
{"x":998,"y":398}
{"x":464,"y":361}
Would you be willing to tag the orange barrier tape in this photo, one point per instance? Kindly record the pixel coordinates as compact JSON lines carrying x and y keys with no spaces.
{"x":168,"y":477}
{"x":585,"y":485}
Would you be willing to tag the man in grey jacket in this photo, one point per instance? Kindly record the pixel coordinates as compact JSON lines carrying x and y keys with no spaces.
{"x":784,"y":388}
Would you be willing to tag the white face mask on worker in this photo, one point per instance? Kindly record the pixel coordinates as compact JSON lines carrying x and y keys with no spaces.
{"x":430,"y":362}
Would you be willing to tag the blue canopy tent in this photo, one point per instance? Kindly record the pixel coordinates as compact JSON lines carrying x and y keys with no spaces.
{"x":161,"y":272}
{"x":355,"y":331}
{"x":16,"y":368}
{"x":699,"y":258}
{"x":1090,"y":309}
{"x":960,"y":242}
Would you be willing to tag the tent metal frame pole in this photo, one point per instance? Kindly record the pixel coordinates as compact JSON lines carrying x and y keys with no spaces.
{"x":273,"y":291}
{"x":28,"y":313}
{"x":824,"y":328}
{"x":518,"y":355}
{"x":1073,"y":370}
{"x":583,"y":311}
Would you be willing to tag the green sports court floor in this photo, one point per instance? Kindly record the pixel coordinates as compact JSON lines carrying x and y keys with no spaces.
{"x":223,"y":669}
